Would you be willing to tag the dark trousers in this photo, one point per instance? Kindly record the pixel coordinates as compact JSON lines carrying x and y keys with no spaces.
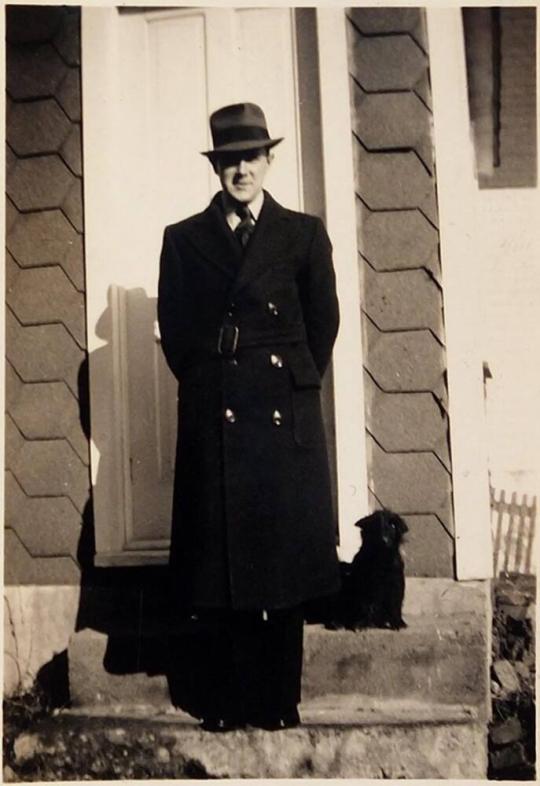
{"x":241,"y":664}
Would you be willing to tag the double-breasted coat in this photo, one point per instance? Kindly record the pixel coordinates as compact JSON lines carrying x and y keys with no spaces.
{"x":248,"y":334}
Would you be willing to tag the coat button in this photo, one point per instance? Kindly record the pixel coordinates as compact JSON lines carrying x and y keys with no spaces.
{"x":272,"y":308}
{"x":276,"y":417}
{"x":276,"y":360}
{"x":230,"y":417}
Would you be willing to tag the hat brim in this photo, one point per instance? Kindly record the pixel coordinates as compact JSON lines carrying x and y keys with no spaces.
{"x":239,"y":146}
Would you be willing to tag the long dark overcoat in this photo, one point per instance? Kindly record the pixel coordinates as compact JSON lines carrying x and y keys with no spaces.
{"x":252,"y":515}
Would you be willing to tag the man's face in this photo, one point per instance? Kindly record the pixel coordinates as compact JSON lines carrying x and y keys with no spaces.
{"x":242,"y":174}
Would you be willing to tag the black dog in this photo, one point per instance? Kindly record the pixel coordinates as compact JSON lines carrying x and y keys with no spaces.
{"x":373,"y":585}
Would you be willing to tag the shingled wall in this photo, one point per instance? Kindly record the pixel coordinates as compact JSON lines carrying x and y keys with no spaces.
{"x":404,"y":355}
{"x":47,"y":454}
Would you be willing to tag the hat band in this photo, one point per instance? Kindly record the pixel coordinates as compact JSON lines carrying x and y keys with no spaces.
{"x":240,"y":134}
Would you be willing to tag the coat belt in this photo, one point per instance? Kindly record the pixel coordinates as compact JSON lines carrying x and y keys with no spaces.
{"x":230,"y":338}
{"x":207,"y":348}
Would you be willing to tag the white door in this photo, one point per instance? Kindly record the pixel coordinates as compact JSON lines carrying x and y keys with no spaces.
{"x":150,"y":80}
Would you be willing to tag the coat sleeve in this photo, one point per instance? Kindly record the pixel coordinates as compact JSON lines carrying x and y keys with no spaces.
{"x":317,"y":285}
{"x":172,"y":310}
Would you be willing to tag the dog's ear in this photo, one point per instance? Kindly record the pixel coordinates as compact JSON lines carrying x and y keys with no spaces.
{"x":366,"y":521}
{"x":399,"y":524}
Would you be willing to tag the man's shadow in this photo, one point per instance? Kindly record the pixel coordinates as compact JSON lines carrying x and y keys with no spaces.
{"x":147,"y":630}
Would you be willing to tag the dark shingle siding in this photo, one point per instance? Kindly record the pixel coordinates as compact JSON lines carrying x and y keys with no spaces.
{"x":47,"y":451}
{"x":404,"y":355}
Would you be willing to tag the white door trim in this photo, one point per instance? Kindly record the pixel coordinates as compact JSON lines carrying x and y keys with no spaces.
{"x":458,"y":203}
{"x":341,"y":225}
{"x":98,"y":105}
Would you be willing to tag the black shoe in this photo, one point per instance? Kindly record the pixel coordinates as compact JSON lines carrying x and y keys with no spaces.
{"x":286,"y":720}
{"x":222,"y":724}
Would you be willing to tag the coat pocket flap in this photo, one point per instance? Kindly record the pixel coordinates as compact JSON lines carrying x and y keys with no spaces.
{"x":303,"y":370}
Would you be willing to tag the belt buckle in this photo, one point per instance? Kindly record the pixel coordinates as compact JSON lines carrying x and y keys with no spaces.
{"x":228,"y":334}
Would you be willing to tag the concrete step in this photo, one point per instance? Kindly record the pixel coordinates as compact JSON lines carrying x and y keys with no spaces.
{"x":445,"y":663}
{"x":441,"y":657}
{"x":349,"y":736}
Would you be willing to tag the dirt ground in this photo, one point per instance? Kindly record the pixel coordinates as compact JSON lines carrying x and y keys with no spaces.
{"x":130,"y":752}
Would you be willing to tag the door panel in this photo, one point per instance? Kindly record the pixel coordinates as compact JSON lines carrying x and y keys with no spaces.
{"x":151,"y":398}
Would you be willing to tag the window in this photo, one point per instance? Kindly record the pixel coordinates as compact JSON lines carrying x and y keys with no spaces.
{"x":500,"y":46}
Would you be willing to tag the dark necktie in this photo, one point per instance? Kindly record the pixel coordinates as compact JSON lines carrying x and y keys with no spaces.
{"x":245,"y":228}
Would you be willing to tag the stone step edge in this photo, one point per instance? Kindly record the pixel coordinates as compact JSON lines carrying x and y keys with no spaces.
{"x":445,"y":626}
{"x":341,"y":713}
{"x":429,"y":602}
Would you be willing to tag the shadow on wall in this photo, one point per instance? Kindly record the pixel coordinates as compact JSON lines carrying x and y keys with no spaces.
{"x":132,"y":606}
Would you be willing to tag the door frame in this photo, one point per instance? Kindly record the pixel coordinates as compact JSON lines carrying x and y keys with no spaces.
{"x":459,"y":212}
{"x":341,"y":224}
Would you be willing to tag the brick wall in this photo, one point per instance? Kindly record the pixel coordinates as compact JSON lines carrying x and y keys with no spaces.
{"x":47,"y":456}
{"x":404,"y":356}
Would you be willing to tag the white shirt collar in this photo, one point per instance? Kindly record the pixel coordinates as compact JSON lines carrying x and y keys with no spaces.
{"x":233,"y":219}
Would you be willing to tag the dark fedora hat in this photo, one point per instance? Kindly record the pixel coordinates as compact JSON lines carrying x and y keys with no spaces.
{"x":239,"y":127}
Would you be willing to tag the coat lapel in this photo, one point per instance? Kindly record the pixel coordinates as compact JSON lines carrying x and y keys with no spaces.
{"x":210,"y":234}
{"x":266,"y":244}
{"x":212,"y":237}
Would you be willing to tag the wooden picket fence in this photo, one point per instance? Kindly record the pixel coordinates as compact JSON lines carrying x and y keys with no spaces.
{"x":513,"y":526}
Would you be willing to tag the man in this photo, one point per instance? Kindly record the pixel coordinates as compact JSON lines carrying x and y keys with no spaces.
{"x":248,"y":316}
